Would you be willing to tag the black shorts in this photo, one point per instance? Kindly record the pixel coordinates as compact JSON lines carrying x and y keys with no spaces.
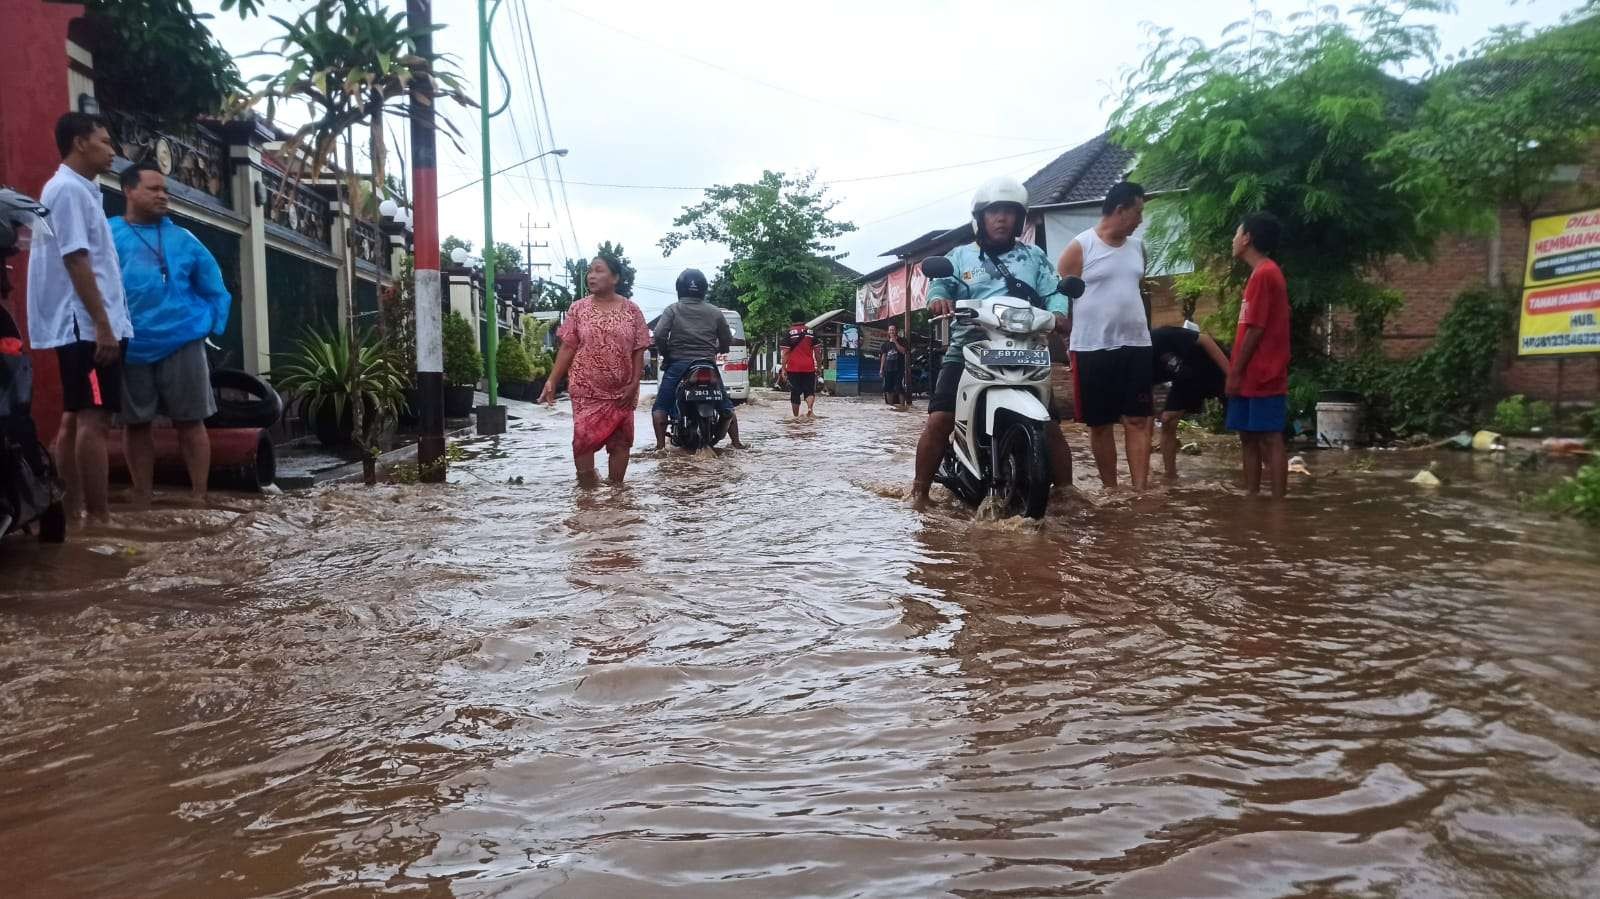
{"x":1110,"y":385}
{"x":802,"y":384}
{"x":1189,"y":394}
{"x":85,"y":385}
{"x":894,"y":380}
{"x":944,"y":391}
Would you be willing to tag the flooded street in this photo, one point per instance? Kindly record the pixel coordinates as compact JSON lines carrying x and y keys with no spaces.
{"x":762,"y":675}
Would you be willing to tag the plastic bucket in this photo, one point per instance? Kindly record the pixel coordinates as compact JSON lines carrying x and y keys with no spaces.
{"x":1339,"y":425}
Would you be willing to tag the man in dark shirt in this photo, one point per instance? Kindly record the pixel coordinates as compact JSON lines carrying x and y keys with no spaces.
{"x":1198,"y":370}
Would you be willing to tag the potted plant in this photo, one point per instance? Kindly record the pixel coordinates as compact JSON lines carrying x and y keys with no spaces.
{"x":328,"y":373}
{"x":463,"y":366}
{"x":513,"y":369}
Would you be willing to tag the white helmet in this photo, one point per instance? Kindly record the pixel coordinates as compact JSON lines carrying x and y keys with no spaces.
{"x":996,"y":191}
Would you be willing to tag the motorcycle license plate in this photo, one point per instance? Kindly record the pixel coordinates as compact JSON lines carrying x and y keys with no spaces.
{"x":1015,"y":357}
{"x":701,"y":396}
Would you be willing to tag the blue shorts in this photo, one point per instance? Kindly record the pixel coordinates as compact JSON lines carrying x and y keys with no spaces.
{"x":667,"y":392}
{"x":1258,"y":414}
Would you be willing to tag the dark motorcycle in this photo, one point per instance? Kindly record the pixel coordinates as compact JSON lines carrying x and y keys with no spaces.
{"x":30,"y":488}
{"x":698,"y":421}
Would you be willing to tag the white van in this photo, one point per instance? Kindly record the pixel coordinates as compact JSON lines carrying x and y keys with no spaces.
{"x":735,"y":363}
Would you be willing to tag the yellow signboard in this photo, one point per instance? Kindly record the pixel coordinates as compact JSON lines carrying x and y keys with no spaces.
{"x":1561,"y":287}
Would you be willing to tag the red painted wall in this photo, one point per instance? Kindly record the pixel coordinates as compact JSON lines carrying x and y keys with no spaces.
{"x":34,"y":66}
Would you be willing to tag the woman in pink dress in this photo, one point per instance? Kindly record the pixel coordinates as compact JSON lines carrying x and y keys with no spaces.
{"x":602,"y":356}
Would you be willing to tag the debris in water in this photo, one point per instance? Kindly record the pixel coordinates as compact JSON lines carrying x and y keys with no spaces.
{"x":1297,"y":465}
{"x":1426,"y":478}
{"x":1190,"y":449}
{"x":1488,"y":441}
{"x":1565,"y":446}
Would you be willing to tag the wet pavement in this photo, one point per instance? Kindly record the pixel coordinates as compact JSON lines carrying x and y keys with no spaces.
{"x":761,"y":674}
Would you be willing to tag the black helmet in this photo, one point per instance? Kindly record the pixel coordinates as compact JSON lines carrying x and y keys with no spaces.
{"x":692,"y":283}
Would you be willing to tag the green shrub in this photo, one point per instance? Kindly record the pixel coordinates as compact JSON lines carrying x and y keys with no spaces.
{"x":1215,"y":416}
{"x":511,"y":362}
{"x":1578,"y":496}
{"x":1304,"y":388}
{"x":1515,"y":415}
{"x":463,"y":366}
{"x":1541,"y":415}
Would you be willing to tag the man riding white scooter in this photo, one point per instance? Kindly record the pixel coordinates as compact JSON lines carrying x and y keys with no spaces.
{"x":999,"y":210}
{"x":690,"y":330}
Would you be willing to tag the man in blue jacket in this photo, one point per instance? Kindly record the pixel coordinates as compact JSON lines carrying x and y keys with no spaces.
{"x":176,"y":298}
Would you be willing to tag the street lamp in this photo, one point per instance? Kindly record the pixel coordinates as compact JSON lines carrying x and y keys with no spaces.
{"x":560,"y":152}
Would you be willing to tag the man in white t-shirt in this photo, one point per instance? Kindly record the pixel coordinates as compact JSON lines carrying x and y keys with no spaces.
{"x":77,"y":308}
{"x":1110,"y":339}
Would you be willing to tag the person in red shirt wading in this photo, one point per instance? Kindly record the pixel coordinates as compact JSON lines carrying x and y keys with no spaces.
{"x":802,"y":360}
{"x":1258,"y":379}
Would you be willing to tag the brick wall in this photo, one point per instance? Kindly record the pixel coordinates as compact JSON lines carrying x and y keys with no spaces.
{"x":1461,"y":262}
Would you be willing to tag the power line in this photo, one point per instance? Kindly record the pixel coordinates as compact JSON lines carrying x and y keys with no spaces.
{"x":785,"y":90}
{"x":523,"y":32}
{"x":854,"y":180}
{"x":549,"y":124}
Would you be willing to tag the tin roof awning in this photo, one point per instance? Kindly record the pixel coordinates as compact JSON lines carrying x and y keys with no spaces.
{"x":826,"y":317}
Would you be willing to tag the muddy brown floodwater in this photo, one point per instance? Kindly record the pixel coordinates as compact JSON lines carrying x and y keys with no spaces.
{"x":762,"y":675}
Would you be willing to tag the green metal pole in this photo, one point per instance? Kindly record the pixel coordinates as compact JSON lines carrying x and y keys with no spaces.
{"x":490,"y":303}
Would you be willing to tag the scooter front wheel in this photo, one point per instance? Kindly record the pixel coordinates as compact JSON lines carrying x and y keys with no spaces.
{"x":1022,"y":476}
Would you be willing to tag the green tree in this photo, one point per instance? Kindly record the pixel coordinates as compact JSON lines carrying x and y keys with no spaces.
{"x":724,"y":293}
{"x":157,"y":59}
{"x":777,"y":231}
{"x":507,"y":258}
{"x":1497,"y":127}
{"x":1294,"y":122}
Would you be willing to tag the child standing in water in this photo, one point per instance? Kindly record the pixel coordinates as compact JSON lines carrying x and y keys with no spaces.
{"x":1258,"y":379}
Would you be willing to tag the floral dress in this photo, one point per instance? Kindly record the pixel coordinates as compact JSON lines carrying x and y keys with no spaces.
{"x":601,"y":381}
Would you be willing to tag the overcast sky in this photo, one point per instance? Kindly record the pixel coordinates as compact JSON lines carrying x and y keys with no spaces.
{"x":853,"y":89}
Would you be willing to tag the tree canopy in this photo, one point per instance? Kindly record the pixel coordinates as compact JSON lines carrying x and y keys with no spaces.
{"x":1293,"y":121}
{"x":778,"y":230}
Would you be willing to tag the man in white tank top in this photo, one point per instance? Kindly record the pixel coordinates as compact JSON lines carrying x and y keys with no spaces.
{"x":1110,"y":335}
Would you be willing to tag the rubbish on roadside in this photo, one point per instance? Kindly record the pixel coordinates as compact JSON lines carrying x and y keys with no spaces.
{"x":1426,"y":478}
{"x":1297,"y":465}
{"x":1488,"y":441}
{"x":1190,"y":449}
{"x":1462,"y":441}
{"x":1565,"y":446}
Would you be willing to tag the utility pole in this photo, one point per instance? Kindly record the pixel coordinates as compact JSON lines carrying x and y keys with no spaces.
{"x":431,"y":460}
{"x":528,"y":246}
{"x":491,"y":418}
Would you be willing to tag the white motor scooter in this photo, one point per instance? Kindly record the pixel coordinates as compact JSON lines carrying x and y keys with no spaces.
{"x":999,"y":447}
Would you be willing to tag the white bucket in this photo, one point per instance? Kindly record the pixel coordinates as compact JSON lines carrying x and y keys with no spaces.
{"x":1339,"y":425}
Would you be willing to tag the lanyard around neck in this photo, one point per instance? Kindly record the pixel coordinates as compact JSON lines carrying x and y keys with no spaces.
{"x":158,"y":249}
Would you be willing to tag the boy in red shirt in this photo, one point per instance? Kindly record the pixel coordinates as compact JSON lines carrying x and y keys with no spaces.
{"x":1258,"y":379}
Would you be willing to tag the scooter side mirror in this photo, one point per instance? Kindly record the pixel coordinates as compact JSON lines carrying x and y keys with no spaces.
{"x":938,"y":267}
{"x":1072,"y":287}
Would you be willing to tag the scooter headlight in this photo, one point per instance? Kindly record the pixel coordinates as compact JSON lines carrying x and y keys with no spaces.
{"x":1016,"y":320}
{"x":979,"y":373}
